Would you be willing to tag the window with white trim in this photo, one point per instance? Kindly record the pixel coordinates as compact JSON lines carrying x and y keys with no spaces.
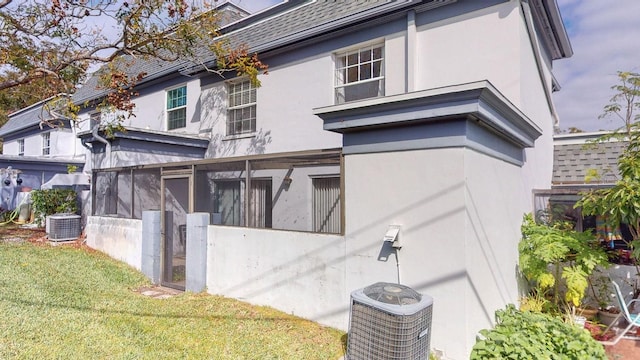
{"x":177,"y":108}
{"x":241,"y":114}
{"x":359,"y":74}
{"x":20,"y":147}
{"x":46,"y":143}
{"x":95,"y":119}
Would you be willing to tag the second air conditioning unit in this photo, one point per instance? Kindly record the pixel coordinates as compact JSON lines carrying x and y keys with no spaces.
{"x":63,"y":227}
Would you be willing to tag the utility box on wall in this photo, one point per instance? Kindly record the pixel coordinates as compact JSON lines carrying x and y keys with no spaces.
{"x":389,"y":322}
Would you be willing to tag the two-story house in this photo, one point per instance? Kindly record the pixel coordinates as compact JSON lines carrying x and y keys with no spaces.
{"x":432,"y":116}
{"x":37,"y":145}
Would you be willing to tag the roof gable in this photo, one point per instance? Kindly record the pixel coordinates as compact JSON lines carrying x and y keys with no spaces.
{"x":28,"y":117}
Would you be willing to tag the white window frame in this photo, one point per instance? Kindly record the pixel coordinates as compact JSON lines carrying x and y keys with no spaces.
{"x":247,"y":105}
{"x":46,"y":143}
{"x":20,"y":147}
{"x":170,"y":108}
{"x":353,"y":70}
{"x":95,"y":118}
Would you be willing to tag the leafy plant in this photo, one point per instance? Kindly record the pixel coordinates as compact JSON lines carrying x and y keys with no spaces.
{"x":53,"y":201}
{"x":526,"y":335}
{"x":620,"y":203}
{"x":553,"y":253}
{"x":534,"y":302}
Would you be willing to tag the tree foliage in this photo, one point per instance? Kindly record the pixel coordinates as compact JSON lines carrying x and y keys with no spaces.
{"x":621,"y":202}
{"x":625,"y":101}
{"x":55,"y":42}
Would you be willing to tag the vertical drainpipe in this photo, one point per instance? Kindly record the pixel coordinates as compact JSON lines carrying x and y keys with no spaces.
{"x":107,"y":144}
{"x":410,"y":52}
{"x":247,"y":192}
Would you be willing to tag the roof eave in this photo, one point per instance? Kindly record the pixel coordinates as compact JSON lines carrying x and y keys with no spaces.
{"x":370,"y":14}
{"x":555,"y":34}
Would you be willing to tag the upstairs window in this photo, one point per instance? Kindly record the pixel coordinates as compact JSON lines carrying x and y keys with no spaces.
{"x":46,"y":143}
{"x":242,"y":108}
{"x":359,"y":74}
{"x":95,"y":119}
{"x":21,"y":147}
{"x":177,"y":108}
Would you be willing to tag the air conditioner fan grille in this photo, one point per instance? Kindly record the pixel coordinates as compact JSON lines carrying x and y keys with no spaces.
{"x":62,"y":227}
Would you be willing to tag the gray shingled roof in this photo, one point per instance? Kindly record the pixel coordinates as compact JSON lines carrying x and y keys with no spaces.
{"x":25,"y":118}
{"x":284,"y":24}
{"x":572,"y":161}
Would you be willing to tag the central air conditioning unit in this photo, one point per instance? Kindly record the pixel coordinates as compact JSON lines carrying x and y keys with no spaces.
{"x":63,"y":227}
{"x":389,"y":321}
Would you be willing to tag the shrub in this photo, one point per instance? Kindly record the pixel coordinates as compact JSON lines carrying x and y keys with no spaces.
{"x":553,"y":253}
{"x":53,"y":201}
{"x":525,"y":335}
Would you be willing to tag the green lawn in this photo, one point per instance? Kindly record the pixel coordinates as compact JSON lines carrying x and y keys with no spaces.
{"x":67,"y":303}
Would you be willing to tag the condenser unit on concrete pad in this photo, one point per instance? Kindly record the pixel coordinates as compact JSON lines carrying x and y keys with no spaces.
{"x":63,"y":227}
{"x":389,"y":322}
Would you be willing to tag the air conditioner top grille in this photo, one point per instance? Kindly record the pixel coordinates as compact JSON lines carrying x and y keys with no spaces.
{"x":386,"y":297}
{"x":60,"y":216}
{"x":394,"y":294}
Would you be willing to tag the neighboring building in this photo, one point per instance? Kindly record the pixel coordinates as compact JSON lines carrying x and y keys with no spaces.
{"x":582,"y":163}
{"x":38,"y":145}
{"x":435,"y":116}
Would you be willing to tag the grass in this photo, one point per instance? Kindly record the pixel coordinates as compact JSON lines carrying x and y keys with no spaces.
{"x":68,"y":303}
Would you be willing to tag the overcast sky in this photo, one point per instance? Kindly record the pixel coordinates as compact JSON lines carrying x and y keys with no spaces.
{"x":605,"y":37}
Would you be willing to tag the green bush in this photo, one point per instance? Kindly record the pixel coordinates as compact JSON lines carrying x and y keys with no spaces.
{"x":525,"y":335}
{"x":53,"y":201}
{"x":555,"y":253}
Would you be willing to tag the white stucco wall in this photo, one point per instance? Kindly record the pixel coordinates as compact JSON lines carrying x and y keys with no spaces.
{"x":492,"y":44}
{"x":537,"y":171}
{"x":285,"y":121}
{"x":424,"y":193}
{"x":151,"y":107}
{"x":481,"y":45}
{"x":495,"y":202}
{"x":300,"y":273}
{"x":63,"y":143}
{"x":119,"y":238}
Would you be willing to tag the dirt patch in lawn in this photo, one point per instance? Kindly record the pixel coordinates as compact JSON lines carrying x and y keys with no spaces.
{"x":158,"y":292}
{"x":16,"y":233}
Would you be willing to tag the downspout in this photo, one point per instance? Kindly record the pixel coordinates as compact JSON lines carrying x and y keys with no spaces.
{"x":107,"y":144}
{"x":528,"y":21}
{"x":88,"y":158}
